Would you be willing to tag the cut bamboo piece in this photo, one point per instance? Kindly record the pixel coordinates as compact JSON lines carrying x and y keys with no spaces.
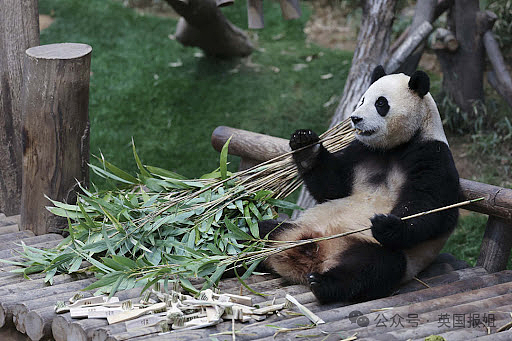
{"x":129,"y":315}
{"x":308,"y":313}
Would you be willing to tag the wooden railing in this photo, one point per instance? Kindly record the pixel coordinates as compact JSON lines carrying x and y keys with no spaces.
{"x":254,"y":148}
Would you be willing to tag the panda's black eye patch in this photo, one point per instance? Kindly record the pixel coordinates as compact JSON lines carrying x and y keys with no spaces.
{"x":382,"y":106}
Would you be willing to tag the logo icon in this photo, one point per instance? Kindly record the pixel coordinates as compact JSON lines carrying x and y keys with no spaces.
{"x":356,"y":316}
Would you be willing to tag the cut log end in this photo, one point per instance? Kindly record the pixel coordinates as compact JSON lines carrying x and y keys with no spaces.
{"x":59,"y":51}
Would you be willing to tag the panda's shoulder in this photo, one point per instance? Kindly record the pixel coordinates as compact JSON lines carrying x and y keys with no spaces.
{"x":430,"y":156}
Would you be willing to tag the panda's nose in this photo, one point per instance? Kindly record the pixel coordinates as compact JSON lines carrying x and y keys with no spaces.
{"x":356,"y":119}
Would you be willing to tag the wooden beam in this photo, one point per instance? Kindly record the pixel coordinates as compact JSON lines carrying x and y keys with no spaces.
{"x":55,"y":131}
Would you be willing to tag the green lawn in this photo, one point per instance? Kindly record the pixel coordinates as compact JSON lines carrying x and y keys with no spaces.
{"x":137,"y":90}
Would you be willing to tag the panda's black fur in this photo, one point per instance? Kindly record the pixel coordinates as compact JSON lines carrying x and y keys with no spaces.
{"x":413,"y":176}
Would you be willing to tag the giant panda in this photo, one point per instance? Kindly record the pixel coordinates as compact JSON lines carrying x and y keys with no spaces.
{"x":399,"y":164}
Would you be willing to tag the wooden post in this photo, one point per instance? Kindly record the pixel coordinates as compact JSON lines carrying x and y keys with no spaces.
{"x":55,"y":130}
{"x":19,"y":30}
{"x":496,"y":245}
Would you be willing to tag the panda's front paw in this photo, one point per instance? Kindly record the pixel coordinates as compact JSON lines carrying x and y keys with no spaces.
{"x":389,"y":230}
{"x":303,"y":138}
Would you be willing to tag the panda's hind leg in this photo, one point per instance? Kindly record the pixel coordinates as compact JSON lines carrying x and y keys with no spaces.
{"x":365,"y":271}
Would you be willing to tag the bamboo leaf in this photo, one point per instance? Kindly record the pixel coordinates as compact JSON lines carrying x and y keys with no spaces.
{"x":165,"y":173}
{"x":107,"y":175}
{"x":118,"y":172}
{"x":224,"y":160}
{"x":141,"y":168}
{"x":236,"y":231}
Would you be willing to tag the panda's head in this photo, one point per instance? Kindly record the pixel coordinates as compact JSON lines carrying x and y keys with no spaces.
{"x":395,"y":108}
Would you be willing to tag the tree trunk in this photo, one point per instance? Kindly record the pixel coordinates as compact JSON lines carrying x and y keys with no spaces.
{"x":19,"y":30}
{"x":203,"y":25}
{"x":55,"y":131}
{"x":463,"y":69}
{"x":372,"y":50}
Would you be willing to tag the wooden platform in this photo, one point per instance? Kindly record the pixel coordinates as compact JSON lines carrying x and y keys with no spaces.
{"x":462,"y":303}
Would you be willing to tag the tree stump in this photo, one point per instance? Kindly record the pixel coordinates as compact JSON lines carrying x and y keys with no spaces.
{"x":55,"y":130}
{"x":19,"y":30}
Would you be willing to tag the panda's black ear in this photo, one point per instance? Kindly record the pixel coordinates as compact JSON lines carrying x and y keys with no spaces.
{"x":377,"y":73}
{"x":419,"y":83}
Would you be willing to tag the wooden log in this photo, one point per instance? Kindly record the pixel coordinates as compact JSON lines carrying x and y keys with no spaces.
{"x":495,"y":249}
{"x":107,"y":332}
{"x":15,"y":236}
{"x":497,"y":202}
{"x":10,"y":220}
{"x":33,"y":291}
{"x":502,"y":76}
{"x":55,"y":131}
{"x":203,"y":25}
{"x":409,"y":45}
{"x":13,"y":252}
{"x":247,"y":144}
{"x":60,"y":325}
{"x":255,"y":14}
{"x":290,"y":9}
{"x":82,"y":330}
{"x":19,"y":30}
{"x":43,"y":306}
{"x":30,"y":241}
{"x":9,"y":229}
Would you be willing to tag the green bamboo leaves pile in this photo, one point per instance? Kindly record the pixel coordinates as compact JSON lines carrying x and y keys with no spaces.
{"x":157,"y":225}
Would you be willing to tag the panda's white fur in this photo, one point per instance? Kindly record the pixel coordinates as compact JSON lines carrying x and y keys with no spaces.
{"x":380,"y":168}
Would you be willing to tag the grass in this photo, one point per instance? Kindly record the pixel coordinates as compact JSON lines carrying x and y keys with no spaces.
{"x":171,"y":111}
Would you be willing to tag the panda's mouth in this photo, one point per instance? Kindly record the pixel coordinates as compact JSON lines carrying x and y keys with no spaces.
{"x":365,"y":132}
